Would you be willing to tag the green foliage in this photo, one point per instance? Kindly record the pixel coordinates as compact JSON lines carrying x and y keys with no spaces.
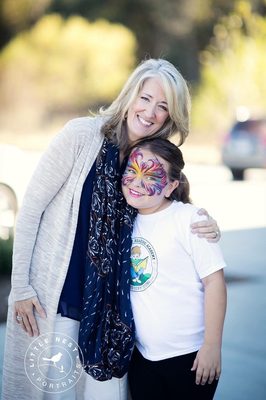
{"x":66,"y":65}
{"x":173,"y":29}
{"x":233,"y":71}
{"x":16,"y":16}
{"x":177,"y":30}
{"x":6,"y":256}
{"x":19,"y":14}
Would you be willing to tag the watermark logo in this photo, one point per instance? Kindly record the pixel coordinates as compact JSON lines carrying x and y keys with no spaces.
{"x":53,"y":362}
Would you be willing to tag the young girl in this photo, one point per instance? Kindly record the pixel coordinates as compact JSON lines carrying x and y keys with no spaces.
{"x":178,"y":292}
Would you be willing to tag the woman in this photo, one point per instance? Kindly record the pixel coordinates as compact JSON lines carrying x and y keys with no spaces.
{"x":74,"y":229}
{"x":178,"y":290}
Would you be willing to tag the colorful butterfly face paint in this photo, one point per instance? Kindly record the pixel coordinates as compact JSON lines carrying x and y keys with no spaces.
{"x":152,"y":175}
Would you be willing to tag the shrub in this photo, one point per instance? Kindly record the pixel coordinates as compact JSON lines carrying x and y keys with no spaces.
{"x":64,"y":66}
{"x":6,"y":256}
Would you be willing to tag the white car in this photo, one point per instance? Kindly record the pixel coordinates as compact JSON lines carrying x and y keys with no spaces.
{"x":16,"y":168}
{"x":245,"y":147}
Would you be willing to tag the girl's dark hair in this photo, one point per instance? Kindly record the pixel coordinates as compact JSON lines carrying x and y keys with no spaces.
{"x":174,"y":157}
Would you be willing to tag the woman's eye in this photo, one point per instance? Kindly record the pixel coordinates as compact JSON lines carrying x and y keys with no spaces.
{"x":144,"y":98}
{"x":163,"y":108}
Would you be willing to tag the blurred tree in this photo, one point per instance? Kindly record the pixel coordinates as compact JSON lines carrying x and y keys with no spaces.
{"x":176,"y":29}
{"x":62,"y":66}
{"x":233,"y":71}
{"x":163,"y":29}
{"x":17,"y":15}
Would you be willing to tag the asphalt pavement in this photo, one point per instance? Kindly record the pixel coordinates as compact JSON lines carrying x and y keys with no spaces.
{"x":244,"y":349}
{"x":244,"y":345}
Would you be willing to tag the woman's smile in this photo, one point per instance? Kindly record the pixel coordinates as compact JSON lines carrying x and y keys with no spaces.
{"x":143,"y":121}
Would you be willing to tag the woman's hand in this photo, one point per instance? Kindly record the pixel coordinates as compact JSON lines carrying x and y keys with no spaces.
{"x":24,"y":314}
{"x":207,"y":229}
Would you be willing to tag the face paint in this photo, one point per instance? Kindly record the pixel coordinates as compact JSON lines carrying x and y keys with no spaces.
{"x":151,"y":174}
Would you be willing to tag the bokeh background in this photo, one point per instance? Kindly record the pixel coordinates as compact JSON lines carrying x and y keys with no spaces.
{"x":58,"y":58}
{"x":61,"y":59}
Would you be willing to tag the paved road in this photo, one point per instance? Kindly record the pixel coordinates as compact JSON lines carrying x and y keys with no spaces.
{"x":240,"y":209}
{"x":244,"y":350}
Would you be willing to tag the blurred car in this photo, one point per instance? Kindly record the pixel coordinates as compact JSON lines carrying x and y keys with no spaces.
{"x":16,"y":168}
{"x":245,"y":147}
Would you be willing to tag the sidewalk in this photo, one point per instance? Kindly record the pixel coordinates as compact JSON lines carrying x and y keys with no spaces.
{"x":2,"y":338}
{"x":4,"y":292}
{"x":244,"y":349}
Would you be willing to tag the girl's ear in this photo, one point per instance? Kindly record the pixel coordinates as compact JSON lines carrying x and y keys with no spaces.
{"x":171,"y":187}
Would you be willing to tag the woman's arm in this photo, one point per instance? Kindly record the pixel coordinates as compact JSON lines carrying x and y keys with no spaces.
{"x":207,"y":363}
{"x":207,"y":228}
{"x":50,"y":175}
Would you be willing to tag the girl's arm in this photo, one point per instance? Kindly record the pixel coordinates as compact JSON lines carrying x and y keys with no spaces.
{"x":207,"y":363}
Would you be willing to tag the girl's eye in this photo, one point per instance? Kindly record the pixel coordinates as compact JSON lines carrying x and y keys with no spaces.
{"x":130,"y":171}
{"x":150,"y":178}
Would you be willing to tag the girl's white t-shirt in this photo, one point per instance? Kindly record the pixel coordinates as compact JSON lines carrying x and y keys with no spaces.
{"x":167,"y":295}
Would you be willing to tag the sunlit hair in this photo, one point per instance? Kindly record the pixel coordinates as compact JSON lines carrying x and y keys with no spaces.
{"x":173,"y":156}
{"x":177,"y":97}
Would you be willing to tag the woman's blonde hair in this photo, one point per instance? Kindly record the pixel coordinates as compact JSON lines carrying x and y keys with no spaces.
{"x":176,"y":93}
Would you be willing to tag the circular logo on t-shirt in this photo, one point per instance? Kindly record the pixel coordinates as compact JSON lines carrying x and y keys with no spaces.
{"x":144,"y":265}
{"x":53,"y":362}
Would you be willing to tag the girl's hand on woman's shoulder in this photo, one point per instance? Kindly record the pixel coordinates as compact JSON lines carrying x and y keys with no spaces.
{"x":207,"y":229}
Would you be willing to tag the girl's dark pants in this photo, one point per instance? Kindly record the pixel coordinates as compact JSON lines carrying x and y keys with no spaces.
{"x":170,"y":379}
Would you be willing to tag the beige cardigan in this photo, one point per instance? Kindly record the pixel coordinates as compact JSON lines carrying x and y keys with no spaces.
{"x":45,"y":233}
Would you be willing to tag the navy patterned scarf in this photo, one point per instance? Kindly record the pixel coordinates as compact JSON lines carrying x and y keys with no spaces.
{"x":107,"y":331}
